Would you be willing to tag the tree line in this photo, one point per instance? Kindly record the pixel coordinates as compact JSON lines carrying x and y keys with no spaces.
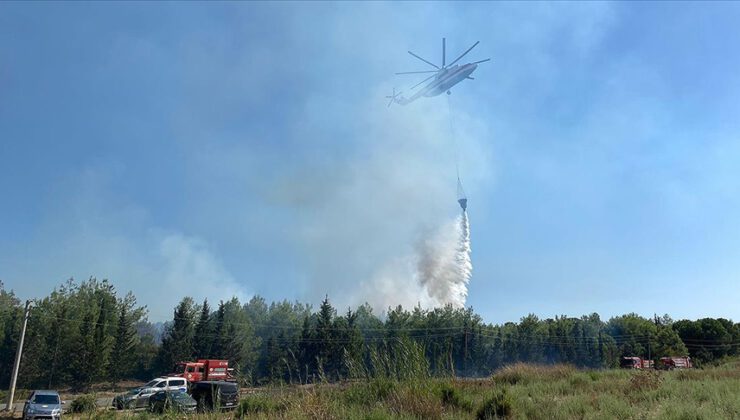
{"x":86,"y":333}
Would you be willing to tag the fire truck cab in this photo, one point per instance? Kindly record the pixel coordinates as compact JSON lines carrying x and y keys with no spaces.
{"x":634,"y":362}
{"x":204,"y":370}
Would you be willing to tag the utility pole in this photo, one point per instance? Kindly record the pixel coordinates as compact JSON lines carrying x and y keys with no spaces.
{"x":18,"y":354}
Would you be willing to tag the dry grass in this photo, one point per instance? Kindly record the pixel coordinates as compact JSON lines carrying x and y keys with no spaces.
{"x":524,"y":372}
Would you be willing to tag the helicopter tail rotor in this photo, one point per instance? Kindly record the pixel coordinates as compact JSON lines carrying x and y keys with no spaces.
{"x":393,"y":97}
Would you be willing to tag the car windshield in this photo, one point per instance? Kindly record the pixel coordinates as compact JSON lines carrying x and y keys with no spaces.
{"x":134,"y":391}
{"x":46,"y":399}
{"x":151,"y":383}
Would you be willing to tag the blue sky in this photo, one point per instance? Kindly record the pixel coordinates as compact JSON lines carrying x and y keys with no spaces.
{"x":222,"y":149}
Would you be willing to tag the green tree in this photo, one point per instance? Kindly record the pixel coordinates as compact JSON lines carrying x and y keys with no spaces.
{"x":11,"y":313}
{"x":707,"y":339}
{"x":636,"y":335}
{"x":177,"y":342}
{"x":327,"y":358}
{"x":204,"y":333}
{"x":122,"y":363}
{"x":82,"y":373}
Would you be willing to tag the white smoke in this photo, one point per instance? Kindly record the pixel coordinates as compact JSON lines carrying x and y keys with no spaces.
{"x":436,"y":273}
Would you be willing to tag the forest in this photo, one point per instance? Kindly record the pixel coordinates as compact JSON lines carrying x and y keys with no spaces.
{"x":87,"y":332}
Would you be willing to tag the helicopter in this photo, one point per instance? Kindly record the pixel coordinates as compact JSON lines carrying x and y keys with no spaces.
{"x":445,"y":77}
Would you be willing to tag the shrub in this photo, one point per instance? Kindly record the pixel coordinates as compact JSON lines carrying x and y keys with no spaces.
{"x":83,"y":404}
{"x":644,"y":381}
{"x":451,"y":397}
{"x":415,"y":400}
{"x":498,"y":406}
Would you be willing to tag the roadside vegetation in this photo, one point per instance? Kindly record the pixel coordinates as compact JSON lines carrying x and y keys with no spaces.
{"x":520,"y":391}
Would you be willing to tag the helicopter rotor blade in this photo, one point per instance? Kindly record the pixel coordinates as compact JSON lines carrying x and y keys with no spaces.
{"x":417,"y":72}
{"x":433,"y":65}
{"x":463,"y":54}
{"x":422,"y":81}
{"x":443,"y":52}
{"x":481,"y":61}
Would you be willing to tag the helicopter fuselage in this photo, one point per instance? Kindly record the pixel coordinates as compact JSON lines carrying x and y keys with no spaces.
{"x":443,"y":82}
{"x":447,"y":78}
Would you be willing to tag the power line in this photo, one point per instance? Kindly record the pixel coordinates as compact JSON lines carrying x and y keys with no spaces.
{"x":429,"y":333}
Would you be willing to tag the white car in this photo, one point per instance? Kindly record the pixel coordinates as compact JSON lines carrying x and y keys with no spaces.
{"x":139,"y":397}
{"x":43,"y":405}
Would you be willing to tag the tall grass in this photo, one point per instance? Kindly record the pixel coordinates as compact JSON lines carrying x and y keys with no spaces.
{"x":519,"y":391}
{"x":399,"y":359}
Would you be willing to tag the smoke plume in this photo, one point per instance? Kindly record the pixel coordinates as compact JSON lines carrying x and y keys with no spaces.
{"x":435,"y":273}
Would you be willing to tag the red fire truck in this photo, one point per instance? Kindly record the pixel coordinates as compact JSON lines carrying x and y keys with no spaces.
{"x":673,"y":362}
{"x":635,"y":363}
{"x":667,"y":363}
{"x":204,"y":370}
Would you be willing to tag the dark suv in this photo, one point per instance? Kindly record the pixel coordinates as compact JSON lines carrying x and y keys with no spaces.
{"x":215,"y":395}
{"x":177,"y":401}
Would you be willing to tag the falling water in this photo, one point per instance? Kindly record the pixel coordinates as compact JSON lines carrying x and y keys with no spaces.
{"x":464,"y":263}
{"x":435,"y":274}
{"x":444,"y":266}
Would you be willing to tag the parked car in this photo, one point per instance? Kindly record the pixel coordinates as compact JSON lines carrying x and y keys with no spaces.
{"x":178,"y":401}
{"x":215,"y":395}
{"x":43,"y":405}
{"x":139,"y":397}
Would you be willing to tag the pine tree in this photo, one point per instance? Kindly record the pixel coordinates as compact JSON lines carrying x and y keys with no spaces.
{"x":327,"y":358}
{"x":177,"y":343}
{"x":306,"y":350}
{"x":219,"y":332}
{"x":12,"y":315}
{"x":203,"y":333}
{"x":122,"y":359}
{"x":82,"y":374}
{"x":272,"y":362}
{"x":55,"y":342}
{"x":352,"y":344}
{"x":105,"y":297}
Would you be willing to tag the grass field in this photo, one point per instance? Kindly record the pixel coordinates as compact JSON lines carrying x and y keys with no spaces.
{"x":520,"y":392}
